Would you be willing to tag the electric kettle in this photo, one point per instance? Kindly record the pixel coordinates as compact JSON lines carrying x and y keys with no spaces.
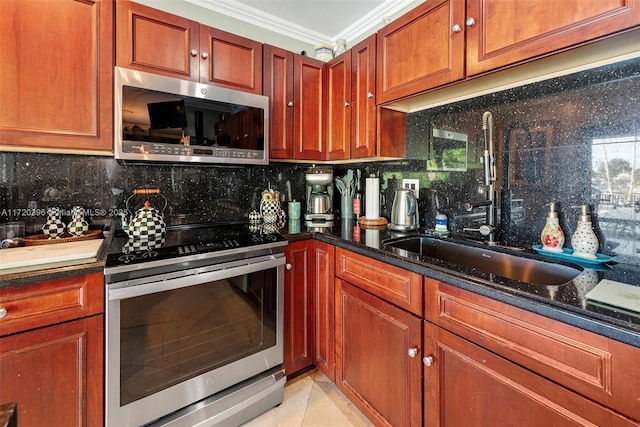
{"x":404,"y":212}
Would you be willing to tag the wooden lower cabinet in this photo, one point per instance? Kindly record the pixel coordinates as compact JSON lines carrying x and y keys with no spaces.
{"x":324,"y":320}
{"x":51,"y":351}
{"x":466,"y":385}
{"x":298,"y":308}
{"x":54,"y":374}
{"x":378,"y":364}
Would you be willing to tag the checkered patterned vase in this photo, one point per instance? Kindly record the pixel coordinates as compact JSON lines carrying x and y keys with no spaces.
{"x":147,"y":224}
{"x":78,"y":226}
{"x":54,"y":227}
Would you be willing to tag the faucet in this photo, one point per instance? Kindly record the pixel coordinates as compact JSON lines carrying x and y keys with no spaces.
{"x":488,"y":160}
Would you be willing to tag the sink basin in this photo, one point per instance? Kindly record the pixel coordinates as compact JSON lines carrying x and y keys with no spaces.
{"x":514,"y":267}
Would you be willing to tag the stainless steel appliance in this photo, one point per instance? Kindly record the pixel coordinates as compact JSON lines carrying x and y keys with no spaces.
{"x":319,"y":192}
{"x":164,"y":119}
{"x":194,"y":327}
{"x":404,"y":212}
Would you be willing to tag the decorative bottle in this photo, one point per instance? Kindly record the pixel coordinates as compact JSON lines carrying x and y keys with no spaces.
{"x":54,"y":227}
{"x":552,"y":237}
{"x":78,"y":226}
{"x":584,"y":241}
{"x":358,"y":198}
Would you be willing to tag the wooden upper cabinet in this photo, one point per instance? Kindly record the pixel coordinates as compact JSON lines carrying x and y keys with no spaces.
{"x":230,"y":61}
{"x":507,"y":32}
{"x":158,"y":42}
{"x":278,"y":86}
{"x":309,"y":84}
{"x":420,"y":50}
{"x":338,"y":119}
{"x":162,"y":43}
{"x":56,"y":66}
{"x":363,"y":99}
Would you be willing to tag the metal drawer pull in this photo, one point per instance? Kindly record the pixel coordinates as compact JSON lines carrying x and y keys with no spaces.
{"x":427,"y":360}
{"x":3,"y":312}
{"x":412,"y":352}
{"x":205,"y":55}
{"x":456,"y":28}
{"x":470,"y":22}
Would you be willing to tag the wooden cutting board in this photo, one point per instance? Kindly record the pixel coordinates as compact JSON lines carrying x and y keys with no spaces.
{"x":44,"y":254}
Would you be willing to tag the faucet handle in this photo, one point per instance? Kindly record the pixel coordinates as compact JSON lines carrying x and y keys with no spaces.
{"x":485,"y":229}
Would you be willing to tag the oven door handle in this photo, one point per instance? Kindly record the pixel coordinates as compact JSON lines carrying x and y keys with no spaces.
{"x":163,"y":283}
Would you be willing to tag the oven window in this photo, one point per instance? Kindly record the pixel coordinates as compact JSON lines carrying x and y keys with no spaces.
{"x":169,"y":337}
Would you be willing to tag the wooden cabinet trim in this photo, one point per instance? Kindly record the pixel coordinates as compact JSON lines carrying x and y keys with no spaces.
{"x":45,"y":303}
{"x":396,"y":285}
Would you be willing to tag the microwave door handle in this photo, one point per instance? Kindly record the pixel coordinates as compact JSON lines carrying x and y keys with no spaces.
{"x":160,"y":284}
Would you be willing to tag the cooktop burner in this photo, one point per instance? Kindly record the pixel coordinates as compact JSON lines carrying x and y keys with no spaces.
{"x":186,"y":240}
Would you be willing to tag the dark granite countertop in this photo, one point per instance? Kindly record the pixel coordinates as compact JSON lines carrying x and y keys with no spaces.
{"x":565,"y":303}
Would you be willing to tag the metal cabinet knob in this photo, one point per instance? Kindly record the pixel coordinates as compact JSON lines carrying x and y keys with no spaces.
{"x":456,"y":28}
{"x":3,"y":312}
{"x":427,"y":360}
{"x":412,"y":352}
{"x":470,"y":22}
{"x":205,"y":55}
{"x":290,"y":104}
{"x":346,"y":104}
{"x":369,"y":95}
{"x":194,"y":53}
{"x":287,"y":266}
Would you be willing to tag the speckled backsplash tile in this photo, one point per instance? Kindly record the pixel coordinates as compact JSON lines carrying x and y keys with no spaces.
{"x":572,"y":140}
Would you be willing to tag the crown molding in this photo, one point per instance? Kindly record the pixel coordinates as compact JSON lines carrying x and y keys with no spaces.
{"x":273,"y":23}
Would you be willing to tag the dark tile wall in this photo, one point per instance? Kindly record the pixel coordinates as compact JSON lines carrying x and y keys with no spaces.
{"x":572,"y":140}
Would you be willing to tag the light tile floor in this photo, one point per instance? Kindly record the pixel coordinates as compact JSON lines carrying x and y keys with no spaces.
{"x":312,"y":400}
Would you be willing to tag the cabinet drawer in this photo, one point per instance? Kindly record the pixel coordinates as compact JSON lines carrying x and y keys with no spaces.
{"x":46,"y":303}
{"x":587,"y":363}
{"x":393,"y":284}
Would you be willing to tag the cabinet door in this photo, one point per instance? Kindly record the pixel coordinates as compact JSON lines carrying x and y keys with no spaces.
{"x":465,"y":385}
{"x":278,"y":86}
{"x":55,"y":373}
{"x":298,"y":308}
{"x":56,"y":66}
{"x":378,"y":357}
{"x":323,"y":279}
{"x":309,"y":83}
{"x":230,"y":61}
{"x":507,"y":32}
{"x":420,"y":50}
{"x":157,"y":42}
{"x":338,"y":117}
{"x":587,"y":363}
{"x":363,"y":99}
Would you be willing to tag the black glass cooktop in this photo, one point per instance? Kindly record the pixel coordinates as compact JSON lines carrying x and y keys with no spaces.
{"x":186,"y":240}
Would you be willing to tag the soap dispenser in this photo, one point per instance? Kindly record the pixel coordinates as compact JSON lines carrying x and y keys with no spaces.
{"x":552,"y":236}
{"x":584,"y":241}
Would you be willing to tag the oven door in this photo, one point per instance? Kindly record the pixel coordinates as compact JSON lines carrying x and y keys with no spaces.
{"x":176,"y":338}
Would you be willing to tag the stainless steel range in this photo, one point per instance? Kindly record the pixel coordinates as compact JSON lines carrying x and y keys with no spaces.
{"x":194,"y":327}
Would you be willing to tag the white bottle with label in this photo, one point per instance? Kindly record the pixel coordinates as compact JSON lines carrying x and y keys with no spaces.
{"x":584,"y":241}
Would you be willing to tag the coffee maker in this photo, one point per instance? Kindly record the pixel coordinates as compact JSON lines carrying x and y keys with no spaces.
{"x":319,"y":191}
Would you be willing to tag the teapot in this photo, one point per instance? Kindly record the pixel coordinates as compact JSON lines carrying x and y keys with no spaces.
{"x":147,"y":223}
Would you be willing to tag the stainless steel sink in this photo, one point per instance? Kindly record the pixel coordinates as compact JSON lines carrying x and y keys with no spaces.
{"x":514,"y":267}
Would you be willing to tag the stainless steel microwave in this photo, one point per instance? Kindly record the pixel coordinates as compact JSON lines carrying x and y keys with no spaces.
{"x":169,"y":120}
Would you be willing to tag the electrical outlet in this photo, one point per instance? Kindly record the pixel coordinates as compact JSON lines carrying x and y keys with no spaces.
{"x":413,"y":184}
